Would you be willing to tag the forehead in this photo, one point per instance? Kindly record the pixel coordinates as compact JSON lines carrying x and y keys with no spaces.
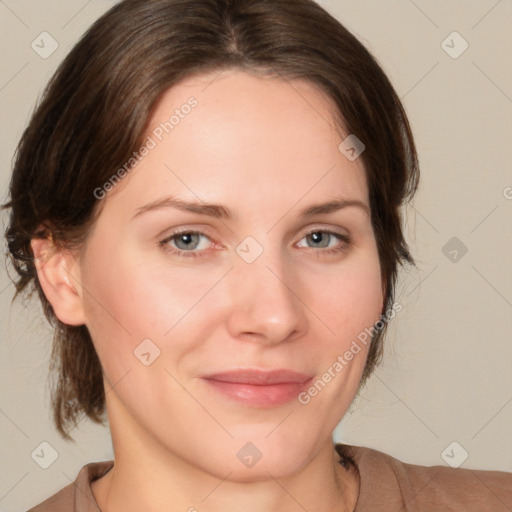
{"x":259,"y":137}
{"x":251,"y":103}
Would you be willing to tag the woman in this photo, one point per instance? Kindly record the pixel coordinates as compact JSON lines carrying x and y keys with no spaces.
{"x":207,"y":201}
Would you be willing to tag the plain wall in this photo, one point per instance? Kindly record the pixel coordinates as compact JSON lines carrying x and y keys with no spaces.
{"x":447,"y":371}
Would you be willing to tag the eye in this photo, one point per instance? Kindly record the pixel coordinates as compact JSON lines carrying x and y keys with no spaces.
{"x":186,"y":244}
{"x":324,"y":239}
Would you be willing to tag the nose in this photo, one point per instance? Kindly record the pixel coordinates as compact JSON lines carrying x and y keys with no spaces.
{"x":266,"y":304}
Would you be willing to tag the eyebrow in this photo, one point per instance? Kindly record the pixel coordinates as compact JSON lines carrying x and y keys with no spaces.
{"x":221,"y":212}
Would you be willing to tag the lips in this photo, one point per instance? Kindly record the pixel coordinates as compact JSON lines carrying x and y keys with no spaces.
{"x":259,"y":388}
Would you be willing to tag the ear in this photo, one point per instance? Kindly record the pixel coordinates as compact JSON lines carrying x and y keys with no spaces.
{"x":58,"y":271}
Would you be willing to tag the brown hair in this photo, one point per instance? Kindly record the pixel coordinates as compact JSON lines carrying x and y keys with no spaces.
{"x":93,"y":115}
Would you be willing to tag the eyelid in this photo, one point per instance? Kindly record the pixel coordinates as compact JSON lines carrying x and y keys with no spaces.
{"x":336,"y":230}
{"x":328,"y":229}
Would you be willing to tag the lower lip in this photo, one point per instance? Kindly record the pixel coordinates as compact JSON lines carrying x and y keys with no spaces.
{"x":257,"y":395}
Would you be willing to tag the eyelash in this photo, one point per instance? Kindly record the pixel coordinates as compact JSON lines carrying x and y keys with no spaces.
{"x":192,"y":254}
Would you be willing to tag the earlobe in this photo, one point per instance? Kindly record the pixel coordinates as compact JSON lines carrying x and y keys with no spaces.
{"x":59,"y":276}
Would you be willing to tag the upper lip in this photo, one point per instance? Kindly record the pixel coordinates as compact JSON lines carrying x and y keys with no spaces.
{"x":259,"y":377}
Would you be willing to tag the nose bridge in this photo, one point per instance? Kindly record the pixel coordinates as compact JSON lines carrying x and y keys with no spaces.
{"x":264,"y":300}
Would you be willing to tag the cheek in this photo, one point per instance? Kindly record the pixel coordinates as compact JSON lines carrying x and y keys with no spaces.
{"x":351,"y":299}
{"x":121,"y":305}
{"x":136,"y":299}
{"x":349,"y":304}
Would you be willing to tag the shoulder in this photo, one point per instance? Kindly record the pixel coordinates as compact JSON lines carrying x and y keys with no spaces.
{"x":77,"y":496}
{"x":387,"y":480}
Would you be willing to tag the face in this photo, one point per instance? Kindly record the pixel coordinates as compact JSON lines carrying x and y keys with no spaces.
{"x":213,"y":323}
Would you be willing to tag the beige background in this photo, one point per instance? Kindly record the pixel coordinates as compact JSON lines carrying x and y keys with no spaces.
{"x":447,"y":375}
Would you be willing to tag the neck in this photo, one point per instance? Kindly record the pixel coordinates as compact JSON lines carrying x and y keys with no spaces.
{"x":150,"y":483}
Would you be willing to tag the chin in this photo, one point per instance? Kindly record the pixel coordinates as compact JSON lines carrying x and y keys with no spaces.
{"x":255,"y":458}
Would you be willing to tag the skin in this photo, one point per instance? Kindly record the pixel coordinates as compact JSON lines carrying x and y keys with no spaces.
{"x":266,"y":149}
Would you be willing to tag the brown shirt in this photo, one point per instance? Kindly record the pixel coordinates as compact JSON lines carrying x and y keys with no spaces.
{"x":386,"y":485}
